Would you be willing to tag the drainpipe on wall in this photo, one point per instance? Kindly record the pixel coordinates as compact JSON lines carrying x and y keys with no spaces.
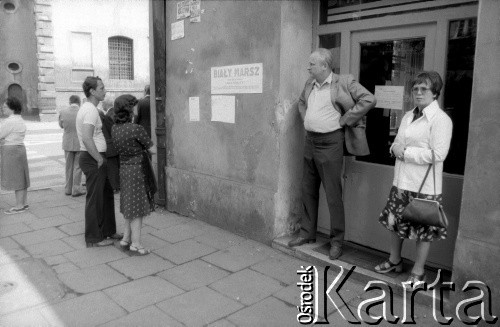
{"x":159,"y":56}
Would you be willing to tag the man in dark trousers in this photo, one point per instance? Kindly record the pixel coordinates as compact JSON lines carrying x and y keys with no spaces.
{"x":71,"y":147}
{"x":144,"y":112}
{"x":332,"y":107}
{"x":100,"y":205}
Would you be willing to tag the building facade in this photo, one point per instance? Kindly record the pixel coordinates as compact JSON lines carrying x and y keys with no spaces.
{"x":238,"y":165}
{"x":52,"y":45}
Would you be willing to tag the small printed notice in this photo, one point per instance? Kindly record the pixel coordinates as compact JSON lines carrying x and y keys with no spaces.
{"x":237,"y":79}
{"x":195,"y":11}
{"x":183,"y":9}
{"x":223,"y":108}
{"x":389,"y":97}
{"x":194,"y":108}
{"x":177,"y":30}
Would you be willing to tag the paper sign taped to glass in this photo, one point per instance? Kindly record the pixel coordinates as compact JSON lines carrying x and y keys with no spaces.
{"x":389,"y":96}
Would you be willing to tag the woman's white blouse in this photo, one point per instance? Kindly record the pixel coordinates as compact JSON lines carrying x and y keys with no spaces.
{"x":431,"y":131}
{"x":13,"y":130}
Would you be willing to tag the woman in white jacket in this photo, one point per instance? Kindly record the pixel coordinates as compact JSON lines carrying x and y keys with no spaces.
{"x":425,"y":129}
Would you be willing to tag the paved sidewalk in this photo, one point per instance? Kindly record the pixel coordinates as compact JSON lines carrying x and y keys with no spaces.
{"x":197,"y":274}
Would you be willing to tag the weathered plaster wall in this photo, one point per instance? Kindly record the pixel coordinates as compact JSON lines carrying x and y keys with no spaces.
{"x":478,"y":243}
{"x":103,"y":19}
{"x":19,"y":45}
{"x":234,"y":175}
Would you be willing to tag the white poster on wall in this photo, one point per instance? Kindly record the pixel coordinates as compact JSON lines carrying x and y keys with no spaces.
{"x":177,"y":30}
{"x":223,"y":108}
{"x":389,"y":97}
{"x":237,"y":79}
{"x":194,"y":108}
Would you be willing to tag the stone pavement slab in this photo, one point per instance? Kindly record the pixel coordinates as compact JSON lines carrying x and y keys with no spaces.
{"x":282,"y":268}
{"x":154,"y":317}
{"x":8,"y":256}
{"x":142,"y":292}
{"x":219,"y":239}
{"x":87,"y":310}
{"x":95,"y":256}
{"x":24,"y":318}
{"x":48,"y":222}
{"x":236,"y":257}
{"x":247,"y":286}
{"x":39,"y":236}
{"x":269,"y":312}
{"x":193,"y":274}
{"x":199,"y":307}
{"x":179,"y":232}
{"x":222,"y":323}
{"x":92,"y":279}
{"x":184,"y":251}
{"x":73,"y":228}
{"x":14,"y":229}
{"x":136,"y":267}
{"x":8,"y":243}
{"x":47,"y":249}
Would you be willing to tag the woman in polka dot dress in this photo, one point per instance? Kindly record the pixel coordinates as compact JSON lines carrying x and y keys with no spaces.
{"x":131,"y":140}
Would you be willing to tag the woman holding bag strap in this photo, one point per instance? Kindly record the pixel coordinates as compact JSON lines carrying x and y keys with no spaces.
{"x":425,"y":129}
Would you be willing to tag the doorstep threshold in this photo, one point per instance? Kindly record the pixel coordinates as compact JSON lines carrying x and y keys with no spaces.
{"x":364,"y":260}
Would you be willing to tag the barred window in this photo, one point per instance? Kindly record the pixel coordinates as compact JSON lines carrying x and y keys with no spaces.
{"x":121,"y":58}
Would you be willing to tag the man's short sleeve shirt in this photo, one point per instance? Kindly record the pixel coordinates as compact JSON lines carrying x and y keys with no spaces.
{"x":89,"y":114}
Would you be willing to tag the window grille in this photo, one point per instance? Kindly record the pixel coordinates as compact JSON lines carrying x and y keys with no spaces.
{"x":121,"y":58}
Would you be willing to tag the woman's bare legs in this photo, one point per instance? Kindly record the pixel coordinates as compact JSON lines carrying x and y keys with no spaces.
{"x":396,"y":244}
{"x":135,"y":226}
{"x":126,"y":231}
{"x":422,"y":253}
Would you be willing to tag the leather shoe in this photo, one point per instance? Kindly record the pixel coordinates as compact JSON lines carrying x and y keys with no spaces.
{"x":78,"y":194}
{"x":99,"y":244}
{"x":335,"y":252}
{"x":300,"y":240}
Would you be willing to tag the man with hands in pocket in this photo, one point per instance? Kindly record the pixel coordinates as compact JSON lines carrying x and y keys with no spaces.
{"x":332,"y":107}
{"x":99,"y":207}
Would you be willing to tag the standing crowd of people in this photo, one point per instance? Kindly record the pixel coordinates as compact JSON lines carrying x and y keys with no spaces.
{"x":114,"y":154}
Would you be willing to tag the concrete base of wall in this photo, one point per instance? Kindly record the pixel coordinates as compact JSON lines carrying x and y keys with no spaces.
{"x":240,"y":208}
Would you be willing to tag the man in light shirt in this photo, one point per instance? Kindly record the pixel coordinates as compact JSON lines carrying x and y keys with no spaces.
{"x":332,"y":107}
{"x":99,"y":208}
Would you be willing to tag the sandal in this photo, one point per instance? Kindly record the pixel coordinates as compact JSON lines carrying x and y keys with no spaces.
{"x":13,"y":210}
{"x":135,"y":250}
{"x":124,"y":245}
{"x":388,"y":266}
{"x":415,"y":279}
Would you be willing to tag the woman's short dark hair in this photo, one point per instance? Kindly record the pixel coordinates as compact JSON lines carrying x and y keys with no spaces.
{"x":89,"y":84}
{"x":429,"y":77}
{"x":14,"y":104}
{"x":124,"y":108}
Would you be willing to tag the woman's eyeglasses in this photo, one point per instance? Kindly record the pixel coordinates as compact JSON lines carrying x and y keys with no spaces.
{"x":422,"y":90}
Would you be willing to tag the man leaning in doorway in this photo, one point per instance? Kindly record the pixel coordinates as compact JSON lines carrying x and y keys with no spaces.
{"x":332,"y":107}
{"x":71,"y":147}
{"x":99,"y":207}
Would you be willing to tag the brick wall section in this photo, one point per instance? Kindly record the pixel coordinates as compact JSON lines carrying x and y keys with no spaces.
{"x":45,"y":56}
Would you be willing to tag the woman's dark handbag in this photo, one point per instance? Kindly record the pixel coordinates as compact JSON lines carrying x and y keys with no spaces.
{"x":423,"y":211}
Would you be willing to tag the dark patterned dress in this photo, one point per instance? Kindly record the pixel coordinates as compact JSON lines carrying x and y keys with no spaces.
{"x":130,"y":141}
{"x":397,"y":202}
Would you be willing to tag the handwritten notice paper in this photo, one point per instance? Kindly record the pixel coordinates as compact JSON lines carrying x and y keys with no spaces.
{"x":194,"y":108}
{"x":389,"y":97}
{"x":237,"y":79}
{"x":223,"y":108}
